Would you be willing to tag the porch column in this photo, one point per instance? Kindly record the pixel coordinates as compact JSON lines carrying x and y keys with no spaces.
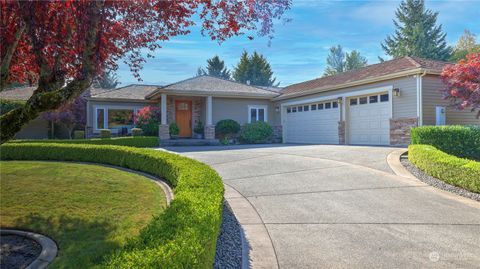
{"x":163,"y":130}
{"x":209,"y":127}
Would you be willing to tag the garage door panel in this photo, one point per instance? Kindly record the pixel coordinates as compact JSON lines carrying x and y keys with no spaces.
{"x":369,"y":123}
{"x":315,"y":126}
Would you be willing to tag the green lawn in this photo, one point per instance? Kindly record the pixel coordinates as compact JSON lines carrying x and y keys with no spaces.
{"x":89,"y":210}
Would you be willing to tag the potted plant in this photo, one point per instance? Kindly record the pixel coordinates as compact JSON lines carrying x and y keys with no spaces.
{"x":198,"y":130}
{"x":174,"y":130}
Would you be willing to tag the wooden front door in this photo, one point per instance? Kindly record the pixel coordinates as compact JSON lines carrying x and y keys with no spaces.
{"x":183,"y":116}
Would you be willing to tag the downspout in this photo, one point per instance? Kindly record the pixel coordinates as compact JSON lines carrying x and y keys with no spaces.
{"x":420,"y":97}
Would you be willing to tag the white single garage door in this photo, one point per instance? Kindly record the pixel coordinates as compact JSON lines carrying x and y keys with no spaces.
{"x":315,"y":123}
{"x":369,"y":120}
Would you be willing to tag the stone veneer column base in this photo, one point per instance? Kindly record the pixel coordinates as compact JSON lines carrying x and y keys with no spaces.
{"x":400,"y":130}
{"x":277,"y":133}
{"x":209,"y":131}
{"x":341,"y":133}
{"x":163,"y":131}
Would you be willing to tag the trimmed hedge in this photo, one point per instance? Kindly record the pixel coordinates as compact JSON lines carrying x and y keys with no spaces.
{"x":461,"y":141}
{"x":456,"y":171}
{"x":137,"y":141}
{"x":185,"y":234}
{"x":256,"y":133}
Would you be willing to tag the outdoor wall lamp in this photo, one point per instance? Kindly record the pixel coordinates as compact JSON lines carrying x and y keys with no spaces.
{"x":340,"y":100}
{"x":396,"y":92}
{"x":277,"y":109}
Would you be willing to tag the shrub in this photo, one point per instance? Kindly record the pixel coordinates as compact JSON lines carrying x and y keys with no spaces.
{"x":461,"y":141}
{"x":136,"y":132}
{"x":78,"y":134}
{"x":136,"y":142}
{"x":173,"y":128}
{"x":105,"y":133}
{"x":456,"y":171}
{"x":199,"y":128}
{"x":255,"y":133}
{"x":148,"y":119}
{"x":9,"y":105}
{"x":226,"y":128}
{"x":185,"y":234}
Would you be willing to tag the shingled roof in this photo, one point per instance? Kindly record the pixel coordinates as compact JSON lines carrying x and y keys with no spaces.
{"x":130,"y":92}
{"x":24,"y":93}
{"x":369,"y":72}
{"x":208,"y":85}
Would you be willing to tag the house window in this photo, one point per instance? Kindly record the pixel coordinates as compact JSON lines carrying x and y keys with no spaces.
{"x":294,"y":109}
{"x":100,"y":116}
{"x":314,"y":107}
{"x":257,"y":113}
{"x":320,"y":106}
{"x":328,"y":105}
{"x":384,"y":97}
{"x":289,"y":110}
{"x":353,"y":102}
{"x":335,"y":104}
{"x":373,"y":99}
{"x":300,"y":108}
{"x":306,"y":108}
{"x":118,"y":118}
{"x":363,"y":100}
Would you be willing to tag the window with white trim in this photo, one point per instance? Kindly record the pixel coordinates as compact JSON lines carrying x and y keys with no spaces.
{"x":114,"y":117}
{"x":100,"y":118}
{"x":257,"y":113}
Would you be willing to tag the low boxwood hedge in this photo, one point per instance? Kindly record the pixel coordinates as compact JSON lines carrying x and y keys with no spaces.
{"x":185,"y":235}
{"x":461,"y":141}
{"x":137,"y":141}
{"x":456,"y":171}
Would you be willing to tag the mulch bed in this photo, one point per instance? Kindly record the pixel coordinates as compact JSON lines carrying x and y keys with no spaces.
{"x":18,"y":251}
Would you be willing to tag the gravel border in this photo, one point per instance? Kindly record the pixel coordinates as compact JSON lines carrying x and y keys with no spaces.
{"x":229,"y":242}
{"x":437,"y":183}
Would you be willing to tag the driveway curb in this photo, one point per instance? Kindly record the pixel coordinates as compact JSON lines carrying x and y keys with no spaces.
{"x":257,"y":246}
{"x":393,"y":160}
{"x":49,"y":248}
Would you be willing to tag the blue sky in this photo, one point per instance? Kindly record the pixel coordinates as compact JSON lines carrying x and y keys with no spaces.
{"x":299,"y":48}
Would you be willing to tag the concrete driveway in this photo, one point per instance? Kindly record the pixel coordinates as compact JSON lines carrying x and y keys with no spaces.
{"x":343,"y":207}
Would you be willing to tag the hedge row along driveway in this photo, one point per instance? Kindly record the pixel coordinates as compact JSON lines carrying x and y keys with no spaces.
{"x":136,"y":142}
{"x":185,"y":234}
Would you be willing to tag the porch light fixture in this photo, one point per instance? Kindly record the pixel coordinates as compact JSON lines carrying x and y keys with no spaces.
{"x":396,"y":92}
{"x":340,"y":100}
{"x":277,"y":109}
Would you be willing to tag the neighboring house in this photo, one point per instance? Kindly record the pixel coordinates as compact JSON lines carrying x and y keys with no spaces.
{"x":373,"y":105}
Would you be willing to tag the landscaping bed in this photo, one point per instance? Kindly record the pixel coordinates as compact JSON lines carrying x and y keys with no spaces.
{"x":137,"y":141}
{"x":455,"y":171}
{"x":89,"y":210}
{"x":184,"y":235}
{"x":18,"y":251}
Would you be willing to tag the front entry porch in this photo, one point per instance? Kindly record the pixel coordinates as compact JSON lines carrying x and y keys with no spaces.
{"x":188,"y":113}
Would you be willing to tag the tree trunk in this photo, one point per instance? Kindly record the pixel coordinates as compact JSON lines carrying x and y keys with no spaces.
{"x":5,"y":66}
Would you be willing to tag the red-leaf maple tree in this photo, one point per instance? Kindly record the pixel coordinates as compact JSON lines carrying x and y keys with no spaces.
{"x":62,"y":45}
{"x":463,"y":83}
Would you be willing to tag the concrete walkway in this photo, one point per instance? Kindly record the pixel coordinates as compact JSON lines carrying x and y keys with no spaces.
{"x":343,"y":207}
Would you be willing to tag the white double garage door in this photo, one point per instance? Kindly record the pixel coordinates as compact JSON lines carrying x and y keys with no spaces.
{"x":367,"y":121}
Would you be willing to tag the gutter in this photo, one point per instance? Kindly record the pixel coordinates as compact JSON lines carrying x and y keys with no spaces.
{"x":420,"y":97}
{"x":358,"y":83}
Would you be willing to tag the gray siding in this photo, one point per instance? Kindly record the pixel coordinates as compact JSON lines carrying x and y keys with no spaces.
{"x":35,"y":129}
{"x":237,"y":109}
{"x":404,"y":106}
{"x":432,"y":97}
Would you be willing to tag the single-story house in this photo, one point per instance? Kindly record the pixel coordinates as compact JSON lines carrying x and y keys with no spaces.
{"x":373,"y":105}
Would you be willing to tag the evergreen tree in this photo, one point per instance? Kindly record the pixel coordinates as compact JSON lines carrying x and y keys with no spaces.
{"x":108,"y":80}
{"x":200,"y":72}
{"x":417,"y":33}
{"x":466,"y":44}
{"x":339,"y":61}
{"x":254,"y":70}
{"x":216,"y":68}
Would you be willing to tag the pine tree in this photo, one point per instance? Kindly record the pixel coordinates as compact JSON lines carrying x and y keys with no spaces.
{"x":254,"y":70}
{"x":200,"y":72}
{"x":417,"y":33}
{"x":339,"y":61}
{"x":108,"y":80}
{"x":216,"y":68}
